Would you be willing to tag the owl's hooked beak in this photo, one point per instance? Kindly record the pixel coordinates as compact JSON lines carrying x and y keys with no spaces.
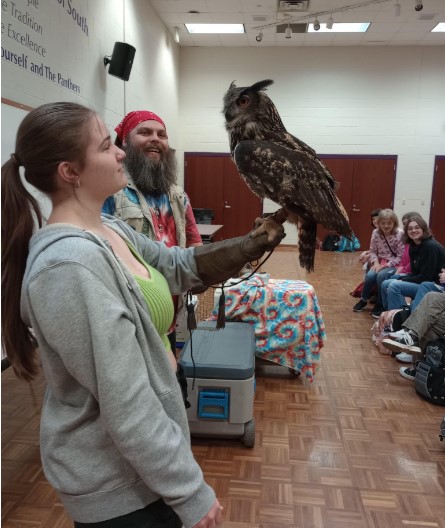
{"x":230,"y":115}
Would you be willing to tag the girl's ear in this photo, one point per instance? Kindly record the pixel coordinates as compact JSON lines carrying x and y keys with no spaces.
{"x":67,"y":172}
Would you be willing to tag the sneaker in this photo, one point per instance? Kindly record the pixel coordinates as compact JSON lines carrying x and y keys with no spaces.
{"x":403,"y":357}
{"x":402,"y":341}
{"x":399,"y":334}
{"x":359,"y":306}
{"x":408,"y":373}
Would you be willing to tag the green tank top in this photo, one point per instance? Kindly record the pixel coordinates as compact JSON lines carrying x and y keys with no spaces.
{"x":158,"y":298}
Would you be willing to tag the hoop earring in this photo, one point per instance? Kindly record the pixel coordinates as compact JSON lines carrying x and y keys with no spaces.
{"x":77,"y":184}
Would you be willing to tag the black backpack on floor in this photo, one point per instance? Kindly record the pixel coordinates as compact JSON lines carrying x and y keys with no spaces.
{"x":430,"y":374}
{"x":330,"y":243}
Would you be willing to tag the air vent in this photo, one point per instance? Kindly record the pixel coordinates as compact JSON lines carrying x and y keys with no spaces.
{"x":296,"y":6}
{"x":296,"y":28}
{"x":258,"y":18}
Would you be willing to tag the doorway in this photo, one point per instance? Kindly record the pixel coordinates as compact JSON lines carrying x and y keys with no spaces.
{"x":212,"y":181}
{"x":365,"y":183}
{"x":437,"y":212}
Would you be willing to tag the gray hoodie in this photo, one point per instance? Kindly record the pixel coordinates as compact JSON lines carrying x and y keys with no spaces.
{"x":114,"y":431}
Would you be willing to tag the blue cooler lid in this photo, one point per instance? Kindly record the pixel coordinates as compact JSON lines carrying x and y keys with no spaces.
{"x":228,"y":353}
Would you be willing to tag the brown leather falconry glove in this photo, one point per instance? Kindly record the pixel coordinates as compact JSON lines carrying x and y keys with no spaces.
{"x":219,"y":261}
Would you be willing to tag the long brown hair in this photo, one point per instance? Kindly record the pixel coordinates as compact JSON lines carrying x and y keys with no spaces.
{"x":423,"y":225}
{"x":47,"y":136}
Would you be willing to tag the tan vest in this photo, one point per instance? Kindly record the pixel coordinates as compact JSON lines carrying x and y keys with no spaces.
{"x":134,"y":214}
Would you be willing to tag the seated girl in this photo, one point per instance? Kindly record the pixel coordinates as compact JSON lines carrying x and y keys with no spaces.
{"x":364,"y":257}
{"x":405,"y":263}
{"x":427,"y":258}
{"x":385,"y":254}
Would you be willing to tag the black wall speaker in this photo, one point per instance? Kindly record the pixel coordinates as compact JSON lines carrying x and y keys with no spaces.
{"x":121,"y":60}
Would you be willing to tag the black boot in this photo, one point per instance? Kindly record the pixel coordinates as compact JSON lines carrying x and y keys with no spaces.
{"x":377,"y":310}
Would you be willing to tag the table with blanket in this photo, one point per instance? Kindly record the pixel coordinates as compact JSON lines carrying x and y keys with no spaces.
{"x":289,"y":327}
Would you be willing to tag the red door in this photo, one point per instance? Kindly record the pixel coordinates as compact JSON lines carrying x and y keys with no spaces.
{"x":241,"y":206}
{"x":212,"y":182}
{"x":365,"y":184}
{"x":437,"y":213}
{"x":373,"y":188}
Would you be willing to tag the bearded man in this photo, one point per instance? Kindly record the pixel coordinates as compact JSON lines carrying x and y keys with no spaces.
{"x":152,"y":203}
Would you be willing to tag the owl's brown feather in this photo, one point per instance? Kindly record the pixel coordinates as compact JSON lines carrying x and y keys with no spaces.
{"x":277,"y":165}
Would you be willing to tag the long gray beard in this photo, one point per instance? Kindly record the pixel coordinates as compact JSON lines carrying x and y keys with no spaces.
{"x":149,"y":176}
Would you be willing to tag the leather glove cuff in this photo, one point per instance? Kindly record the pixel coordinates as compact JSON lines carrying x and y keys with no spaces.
{"x":219,"y":261}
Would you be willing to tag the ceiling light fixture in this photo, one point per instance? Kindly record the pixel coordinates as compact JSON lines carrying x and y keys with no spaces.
{"x":342,"y":27}
{"x":215,"y":28}
{"x":176,"y":34}
{"x":418,"y":5}
{"x":330,"y":23}
{"x":317,"y":24}
{"x":259,"y":37}
{"x":327,"y":12}
{"x":439,"y":28}
{"x":288,"y":32}
{"x":397,"y":9}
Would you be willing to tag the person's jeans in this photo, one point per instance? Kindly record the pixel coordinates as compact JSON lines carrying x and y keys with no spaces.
{"x":372,"y":278}
{"x":155,"y":515}
{"x":384,"y":290}
{"x":424,"y":288}
{"x":398,"y":290}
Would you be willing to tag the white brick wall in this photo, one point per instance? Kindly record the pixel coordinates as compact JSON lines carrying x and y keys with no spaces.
{"x":338,"y":100}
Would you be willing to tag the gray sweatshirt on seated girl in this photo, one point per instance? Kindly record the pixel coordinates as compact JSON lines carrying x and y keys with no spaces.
{"x":114,"y":431}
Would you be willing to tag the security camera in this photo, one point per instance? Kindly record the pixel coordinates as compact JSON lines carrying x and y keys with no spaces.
{"x":316,"y":24}
{"x":418,"y":6}
{"x":259,"y":37}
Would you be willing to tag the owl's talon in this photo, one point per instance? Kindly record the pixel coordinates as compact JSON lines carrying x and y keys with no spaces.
{"x":280,"y":216}
{"x":270,"y":226}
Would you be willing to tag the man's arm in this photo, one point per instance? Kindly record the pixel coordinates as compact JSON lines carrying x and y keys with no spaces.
{"x":193,"y":238}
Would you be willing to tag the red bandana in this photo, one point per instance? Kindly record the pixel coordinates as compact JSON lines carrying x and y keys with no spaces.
{"x":132,"y":120}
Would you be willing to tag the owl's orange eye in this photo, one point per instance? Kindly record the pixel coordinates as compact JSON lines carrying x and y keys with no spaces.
{"x":243,"y":100}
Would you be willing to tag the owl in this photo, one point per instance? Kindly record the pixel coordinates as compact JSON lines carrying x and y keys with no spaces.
{"x":279,"y":166}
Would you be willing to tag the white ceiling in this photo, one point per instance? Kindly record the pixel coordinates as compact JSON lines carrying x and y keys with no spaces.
{"x":411,"y":28}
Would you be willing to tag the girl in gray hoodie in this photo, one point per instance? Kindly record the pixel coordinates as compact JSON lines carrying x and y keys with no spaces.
{"x":94,"y":296}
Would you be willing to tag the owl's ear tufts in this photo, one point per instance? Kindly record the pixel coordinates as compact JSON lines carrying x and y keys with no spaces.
{"x":261,"y":85}
{"x":232,"y":85}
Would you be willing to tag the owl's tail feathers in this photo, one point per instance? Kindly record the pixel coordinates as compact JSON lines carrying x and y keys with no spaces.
{"x":307,"y":238}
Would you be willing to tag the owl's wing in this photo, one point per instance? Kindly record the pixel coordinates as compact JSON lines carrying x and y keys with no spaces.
{"x":287,"y":140}
{"x":292,"y":179}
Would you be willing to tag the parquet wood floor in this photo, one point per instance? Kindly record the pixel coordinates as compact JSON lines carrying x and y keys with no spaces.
{"x":355,"y":449}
